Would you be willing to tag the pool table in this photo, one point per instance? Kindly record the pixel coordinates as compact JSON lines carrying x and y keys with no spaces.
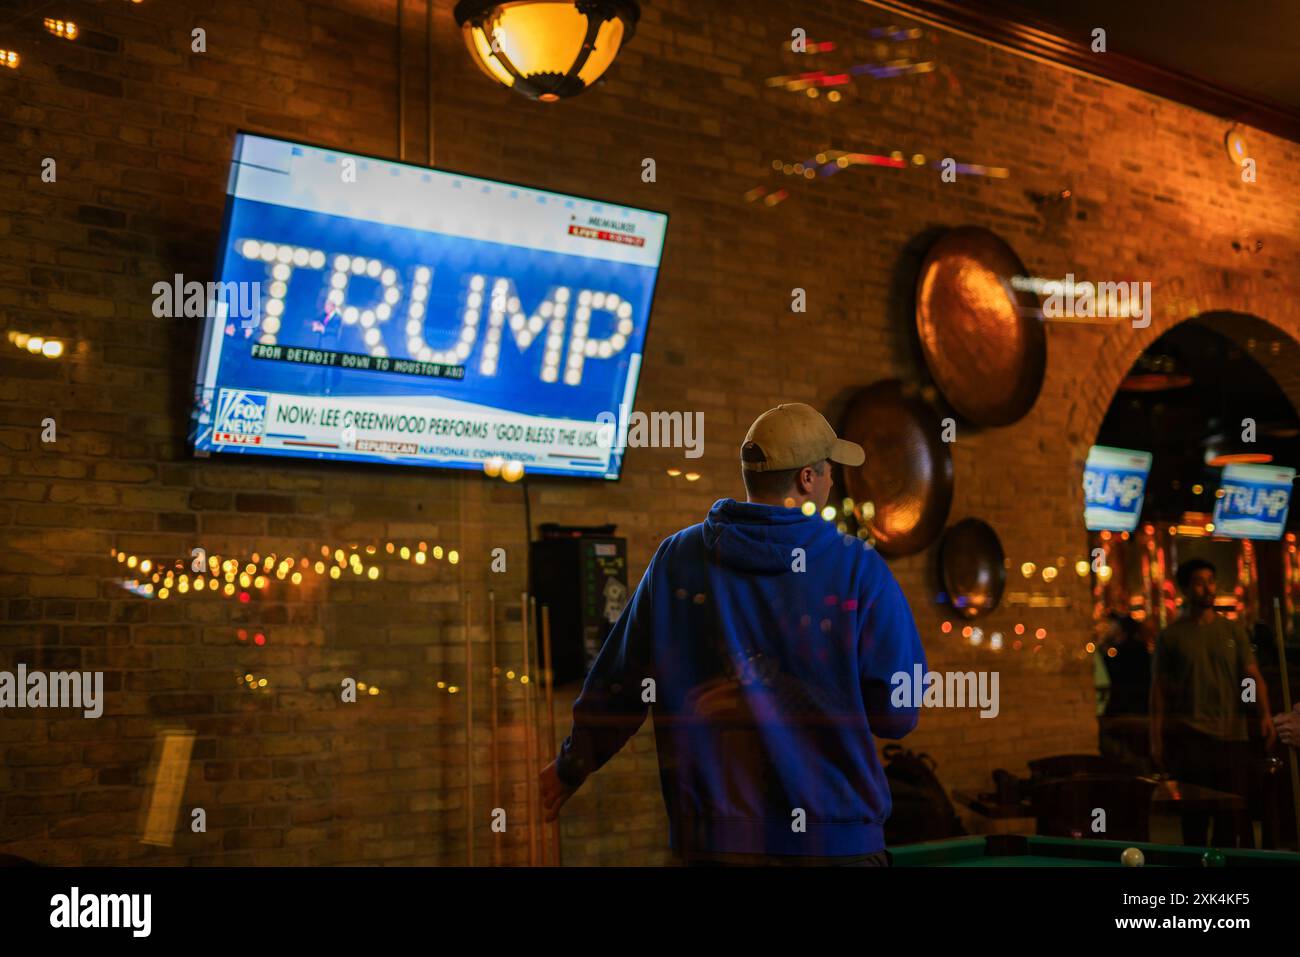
{"x":1013,"y":850}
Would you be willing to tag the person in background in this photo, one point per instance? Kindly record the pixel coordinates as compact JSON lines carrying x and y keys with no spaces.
{"x":1127,"y":663}
{"x":767,"y":643}
{"x":1198,"y":718}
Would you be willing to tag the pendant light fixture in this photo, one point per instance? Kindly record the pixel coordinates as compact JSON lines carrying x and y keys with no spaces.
{"x":546,"y":49}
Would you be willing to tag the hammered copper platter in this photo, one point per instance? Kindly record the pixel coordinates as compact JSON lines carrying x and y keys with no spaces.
{"x":982,"y":339}
{"x":907,"y":475}
{"x":972,"y":567}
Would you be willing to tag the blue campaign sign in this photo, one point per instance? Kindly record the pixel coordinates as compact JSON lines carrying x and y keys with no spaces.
{"x":1254,"y":502}
{"x":420,"y":316}
{"x":1114,"y":482}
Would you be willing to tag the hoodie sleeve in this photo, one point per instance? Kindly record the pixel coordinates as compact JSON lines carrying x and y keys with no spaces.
{"x":610,"y":710}
{"x":889,"y":644}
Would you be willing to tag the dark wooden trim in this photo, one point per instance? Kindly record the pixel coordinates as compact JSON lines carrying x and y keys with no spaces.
{"x":1010,"y":26}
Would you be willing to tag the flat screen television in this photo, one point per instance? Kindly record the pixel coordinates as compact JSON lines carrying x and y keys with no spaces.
{"x":368,"y":310}
{"x":1254,"y":501}
{"x":1114,"y":485}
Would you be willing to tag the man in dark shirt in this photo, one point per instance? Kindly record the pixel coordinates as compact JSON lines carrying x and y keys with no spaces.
{"x":1198,"y":718}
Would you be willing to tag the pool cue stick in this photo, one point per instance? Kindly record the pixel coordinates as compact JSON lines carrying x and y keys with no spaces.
{"x":469,"y":739}
{"x":496,"y":751}
{"x":1286,"y":709}
{"x":538,"y":832}
{"x":549,"y":677}
{"x":528,"y":738}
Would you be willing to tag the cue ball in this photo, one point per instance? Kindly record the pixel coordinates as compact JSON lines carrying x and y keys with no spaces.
{"x":1132,"y":857}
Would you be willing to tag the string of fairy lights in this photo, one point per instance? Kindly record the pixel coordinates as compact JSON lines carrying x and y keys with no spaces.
{"x":225,"y":577}
{"x":239,"y":578}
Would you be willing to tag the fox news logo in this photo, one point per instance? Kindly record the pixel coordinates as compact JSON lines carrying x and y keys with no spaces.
{"x":241,"y":417}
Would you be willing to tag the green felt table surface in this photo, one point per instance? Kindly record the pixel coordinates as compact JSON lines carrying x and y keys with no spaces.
{"x":1011,"y":850}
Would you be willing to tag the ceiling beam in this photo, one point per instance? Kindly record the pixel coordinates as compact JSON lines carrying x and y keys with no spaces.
{"x":1006,"y":25}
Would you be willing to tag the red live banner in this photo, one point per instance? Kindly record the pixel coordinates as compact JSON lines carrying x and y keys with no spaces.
{"x":586,"y":232}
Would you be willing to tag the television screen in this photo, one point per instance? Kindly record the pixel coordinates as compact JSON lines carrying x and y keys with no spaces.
{"x":1114,"y":481}
{"x":369,"y":310}
{"x":1254,"y":502}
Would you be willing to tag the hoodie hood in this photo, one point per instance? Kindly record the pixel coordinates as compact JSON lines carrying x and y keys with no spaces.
{"x":761,"y":538}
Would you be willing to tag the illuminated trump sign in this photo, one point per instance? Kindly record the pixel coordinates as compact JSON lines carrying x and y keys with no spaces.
{"x":1114,"y":482}
{"x":1254,"y":502}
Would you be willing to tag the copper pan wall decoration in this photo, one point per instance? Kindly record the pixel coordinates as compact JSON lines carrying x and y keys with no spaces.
{"x":907,"y":475}
{"x":983,"y":340}
{"x":972,"y":567}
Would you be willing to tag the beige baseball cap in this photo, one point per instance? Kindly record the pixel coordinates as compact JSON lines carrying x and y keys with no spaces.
{"x":794,"y":435}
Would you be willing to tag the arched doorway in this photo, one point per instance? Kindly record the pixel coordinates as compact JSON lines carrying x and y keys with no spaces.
{"x":1211,"y":406}
{"x":1211,"y":391}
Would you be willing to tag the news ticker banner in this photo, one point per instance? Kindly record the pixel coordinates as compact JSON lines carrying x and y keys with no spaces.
{"x":1114,"y":482}
{"x":1254,"y":502}
{"x":326,"y":358}
{"x":367,"y":428}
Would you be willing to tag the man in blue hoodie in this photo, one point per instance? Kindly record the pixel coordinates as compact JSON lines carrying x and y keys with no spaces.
{"x":766,"y":642}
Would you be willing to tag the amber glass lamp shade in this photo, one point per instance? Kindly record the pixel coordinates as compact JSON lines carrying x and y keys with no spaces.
{"x":546,"y":49}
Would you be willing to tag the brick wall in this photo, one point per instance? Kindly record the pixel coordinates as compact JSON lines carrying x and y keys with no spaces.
{"x":141,"y":130}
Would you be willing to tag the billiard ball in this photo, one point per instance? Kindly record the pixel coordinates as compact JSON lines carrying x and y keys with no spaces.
{"x":1213,"y":858}
{"x":1132,"y":857}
